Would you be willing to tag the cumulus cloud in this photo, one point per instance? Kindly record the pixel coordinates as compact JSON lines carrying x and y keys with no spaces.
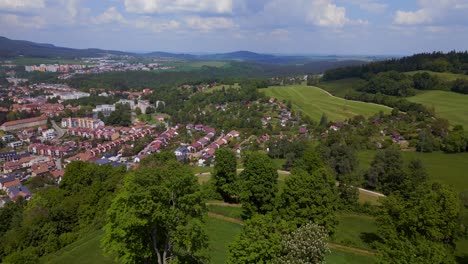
{"x":15,"y":21}
{"x":370,"y":5}
{"x":175,"y":6}
{"x":432,"y":11}
{"x":21,"y":5}
{"x":210,"y":23}
{"x":110,"y":15}
{"x":156,"y":26}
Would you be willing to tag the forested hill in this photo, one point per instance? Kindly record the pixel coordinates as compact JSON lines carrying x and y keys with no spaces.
{"x":12,"y":48}
{"x":455,"y":62}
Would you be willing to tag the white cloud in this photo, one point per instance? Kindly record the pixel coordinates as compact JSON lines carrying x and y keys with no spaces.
{"x":15,"y":21}
{"x":156,"y":26}
{"x":370,"y":5}
{"x":210,"y":23}
{"x":21,"y":5}
{"x":110,"y":15}
{"x":432,"y":11}
{"x":174,"y":6}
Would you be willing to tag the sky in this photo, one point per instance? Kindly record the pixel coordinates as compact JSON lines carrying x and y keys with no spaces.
{"x":361,"y":27}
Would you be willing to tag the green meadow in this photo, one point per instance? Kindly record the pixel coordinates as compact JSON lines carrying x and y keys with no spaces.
{"x":449,"y":105}
{"x":314,"y":101}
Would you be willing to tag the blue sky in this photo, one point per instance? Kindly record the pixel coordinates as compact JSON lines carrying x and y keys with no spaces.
{"x":270,"y":26}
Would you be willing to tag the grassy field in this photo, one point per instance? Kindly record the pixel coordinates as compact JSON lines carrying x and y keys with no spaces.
{"x":445,"y":76}
{"x":84,"y":250}
{"x":314,"y":101}
{"x":447,"y":168}
{"x":355,"y":230}
{"x":343,"y":257}
{"x":233,"y":212}
{"x":449,"y":105}
{"x":221,"y":233}
{"x":342,"y":87}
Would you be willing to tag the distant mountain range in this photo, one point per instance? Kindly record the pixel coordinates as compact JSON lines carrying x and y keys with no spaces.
{"x":14,"y":48}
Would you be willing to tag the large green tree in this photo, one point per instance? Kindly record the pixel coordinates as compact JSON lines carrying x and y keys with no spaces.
{"x":259,"y":185}
{"x":386,"y":172}
{"x":310,"y":198}
{"x":225,"y":174}
{"x":259,"y":242}
{"x":420,"y":228}
{"x":157,"y":217}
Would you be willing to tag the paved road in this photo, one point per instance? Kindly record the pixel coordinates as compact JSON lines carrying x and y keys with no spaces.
{"x":60,"y":132}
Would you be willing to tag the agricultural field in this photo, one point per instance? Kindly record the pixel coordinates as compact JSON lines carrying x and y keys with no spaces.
{"x":444,"y":76}
{"x":449,"y":105}
{"x":314,"y":101}
{"x":342,"y":87}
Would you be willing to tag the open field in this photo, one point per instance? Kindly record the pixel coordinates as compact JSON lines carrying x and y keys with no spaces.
{"x":355,"y":230}
{"x":448,"y":105}
{"x":221,"y":233}
{"x":342,"y":87}
{"x":84,"y":250}
{"x":343,"y":257}
{"x":314,"y":101}
{"x":447,"y":168}
{"x":444,"y":76}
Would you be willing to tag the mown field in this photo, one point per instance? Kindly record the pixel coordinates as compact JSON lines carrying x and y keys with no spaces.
{"x":447,"y":168}
{"x":314,"y":101}
{"x":445,"y":76}
{"x":449,"y":105}
{"x":340,"y":88}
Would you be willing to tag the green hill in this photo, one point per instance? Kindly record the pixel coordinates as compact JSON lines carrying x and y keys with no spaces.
{"x":449,"y":105}
{"x":314,"y":101}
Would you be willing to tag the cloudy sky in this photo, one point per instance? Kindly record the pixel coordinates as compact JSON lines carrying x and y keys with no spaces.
{"x":273,"y":26}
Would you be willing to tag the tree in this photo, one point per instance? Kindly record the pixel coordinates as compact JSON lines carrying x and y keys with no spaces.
{"x":341,"y":158}
{"x":259,"y":242}
{"x":310,"y":198}
{"x":455,"y":141}
{"x":323,"y":120}
{"x":310,"y":161}
{"x":386,"y":172}
{"x":158,"y":217}
{"x":225,"y":174}
{"x":259,"y":185}
{"x":306,"y":245}
{"x":421,"y":228}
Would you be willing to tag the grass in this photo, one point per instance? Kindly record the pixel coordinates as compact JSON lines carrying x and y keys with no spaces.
{"x":447,"y":168}
{"x":355,"y":230}
{"x":448,"y":105}
{"x":314,"y":101}
{"x":84,"y":250}
{"x":444,"y":76}
{"x":342,"y":87}
{"x":233,"y":212}
{"x":220,"y":234}
{"x":367,"y":198}
{"x":344,"y":257}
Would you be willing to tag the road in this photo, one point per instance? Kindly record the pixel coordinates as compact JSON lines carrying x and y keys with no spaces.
{"x":60,"y":132}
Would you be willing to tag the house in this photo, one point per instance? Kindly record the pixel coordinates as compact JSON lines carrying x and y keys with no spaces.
{"x":6,"y":179}
{"x":15,"y":144}
{"x":8,"y":156}
{"x":303,"y":130}
{"x":182,"y":153}
{"x":17,"y":191}
{"x":234,"y":133}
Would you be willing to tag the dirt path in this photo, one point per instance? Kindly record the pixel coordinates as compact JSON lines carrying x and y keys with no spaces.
{"x":331,"y":245}
{"x":225,"y":218}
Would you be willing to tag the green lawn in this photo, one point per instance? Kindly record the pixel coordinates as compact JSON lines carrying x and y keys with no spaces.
{"x":233,"y":212}
{"x":447,"y":168}
{"x":342,"y":87}
{"x":449,"y":105}
{"x":314,"y":101}
{"x":85,"y":250}
{"x":355,"y":230}
{"x":221,"y":233}
{"x":445,"y":76}
{"x":344,"y":257}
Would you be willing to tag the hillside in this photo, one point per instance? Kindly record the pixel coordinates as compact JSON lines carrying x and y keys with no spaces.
{"x":314,"y":101}
{"x":449,"y":105}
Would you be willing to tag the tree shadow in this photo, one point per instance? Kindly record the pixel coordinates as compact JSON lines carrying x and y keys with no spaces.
{"x":370,"y":238}
{"x":462,"y":259}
